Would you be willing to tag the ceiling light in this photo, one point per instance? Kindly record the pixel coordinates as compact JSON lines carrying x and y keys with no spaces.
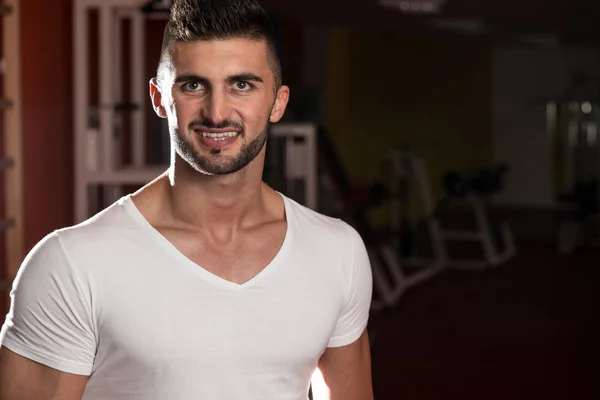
{"x":415,"y":6}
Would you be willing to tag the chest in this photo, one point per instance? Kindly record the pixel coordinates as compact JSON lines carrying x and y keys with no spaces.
{"x":275,"y":327}
{"x":236,"y":259}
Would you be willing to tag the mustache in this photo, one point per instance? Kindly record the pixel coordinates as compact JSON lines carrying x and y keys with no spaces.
{"x":225,"y":124}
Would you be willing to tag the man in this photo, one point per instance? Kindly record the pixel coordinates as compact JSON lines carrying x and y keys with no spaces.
{"x":205,"y":284}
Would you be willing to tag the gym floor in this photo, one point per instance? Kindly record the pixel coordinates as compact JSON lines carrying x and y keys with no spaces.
{"x":526,"y":330}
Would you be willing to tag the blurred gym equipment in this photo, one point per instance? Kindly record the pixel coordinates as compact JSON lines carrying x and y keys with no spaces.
{"x":411,"y":204}
{"x":408,"y":185}
{"x":470,"y":192}
{"x":350,"y":202}
{"x":293,"y":146}
{"x":100,"y":174}
{"x":390,"y":279}
{"x":473,"y":192}
{"x":573,"y":126}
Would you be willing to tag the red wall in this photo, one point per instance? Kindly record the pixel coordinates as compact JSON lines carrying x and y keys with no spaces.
{"x":46,"y":74}
{"x":2,"y":215}
{"x":45,"y":49}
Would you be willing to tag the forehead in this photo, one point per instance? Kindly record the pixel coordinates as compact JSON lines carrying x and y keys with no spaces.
{"x":220,"y":56}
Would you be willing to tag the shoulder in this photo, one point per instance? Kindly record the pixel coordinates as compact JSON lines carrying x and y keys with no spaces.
{"x":320,"y":227}
{"x":84,"y":236}
{"x":108,"y":224}
{"x":96,"y":238}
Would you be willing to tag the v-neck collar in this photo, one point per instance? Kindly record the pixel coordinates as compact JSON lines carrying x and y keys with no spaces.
{"x":197,"y":269}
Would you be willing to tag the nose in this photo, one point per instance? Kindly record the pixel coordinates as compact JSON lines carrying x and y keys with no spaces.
{"x":216,"y":107}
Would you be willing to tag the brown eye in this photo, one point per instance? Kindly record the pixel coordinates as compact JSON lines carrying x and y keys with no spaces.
{"x":192,"y":86}
{"x":243,"y":86}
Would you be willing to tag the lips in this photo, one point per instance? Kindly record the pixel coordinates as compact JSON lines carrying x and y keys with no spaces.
{"x":217,"y":135}
{"x":216,"y":139}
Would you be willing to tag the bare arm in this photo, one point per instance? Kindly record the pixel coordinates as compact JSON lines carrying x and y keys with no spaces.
{"x":346,"y":372}
{"x":23,"y":379}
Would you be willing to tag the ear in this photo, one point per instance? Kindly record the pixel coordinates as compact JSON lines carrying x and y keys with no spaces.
{"x":156,"y":96}
{"x":281,"y":101}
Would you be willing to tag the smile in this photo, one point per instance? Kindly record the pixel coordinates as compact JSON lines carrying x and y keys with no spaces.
{"x":219,"y":136}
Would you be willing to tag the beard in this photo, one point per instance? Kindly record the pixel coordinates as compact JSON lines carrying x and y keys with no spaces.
{"x":216,"y":163}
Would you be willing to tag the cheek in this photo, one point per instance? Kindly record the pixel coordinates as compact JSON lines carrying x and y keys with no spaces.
{"x":254,"y":116}
{"x":183,"y":111}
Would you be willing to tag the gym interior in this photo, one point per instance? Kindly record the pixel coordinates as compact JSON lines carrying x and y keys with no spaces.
{"x":459,"y":137}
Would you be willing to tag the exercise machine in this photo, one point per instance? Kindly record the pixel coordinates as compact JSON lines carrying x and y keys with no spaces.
{"x":291,"y":162}
{"x":572,"y":125}
{"x":411,"y":204}
{"x":470,"y":192}
{"x":390,"y":279}
{"x":473,"y":193}
{"x":391,"y":259}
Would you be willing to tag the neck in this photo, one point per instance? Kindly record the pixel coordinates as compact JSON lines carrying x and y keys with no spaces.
{"x":209,"y":201}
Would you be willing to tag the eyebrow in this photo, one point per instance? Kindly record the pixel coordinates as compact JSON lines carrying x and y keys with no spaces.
{"x":244,"y":76}
{"x":186,"y":78}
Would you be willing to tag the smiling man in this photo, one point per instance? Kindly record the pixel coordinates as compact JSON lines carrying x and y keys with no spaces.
{"x":205,"y":284}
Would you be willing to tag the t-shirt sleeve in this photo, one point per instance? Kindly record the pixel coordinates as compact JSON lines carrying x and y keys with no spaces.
{"x":354,"y":317}
{"x":50,"y":314}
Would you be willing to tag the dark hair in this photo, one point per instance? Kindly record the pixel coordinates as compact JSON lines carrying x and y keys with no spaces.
{"x":192,"y":20}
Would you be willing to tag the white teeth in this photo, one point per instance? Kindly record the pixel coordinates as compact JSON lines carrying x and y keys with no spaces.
{"x":219,"y":136}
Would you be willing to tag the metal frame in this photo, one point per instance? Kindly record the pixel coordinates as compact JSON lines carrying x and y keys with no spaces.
{"x":492,"y":256}
{"x":301,"y":158}
{"x":107,"y":171}
{"x":391,"y":291}
{"x":389,"y":279}
{"x":567,"y":124}
{"x":410,"y":169}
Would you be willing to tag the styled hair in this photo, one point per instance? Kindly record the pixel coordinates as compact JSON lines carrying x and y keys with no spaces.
{"x":193,"y":20}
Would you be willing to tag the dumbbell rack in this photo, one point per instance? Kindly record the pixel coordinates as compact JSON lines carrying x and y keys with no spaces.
{"x":10,"y":162}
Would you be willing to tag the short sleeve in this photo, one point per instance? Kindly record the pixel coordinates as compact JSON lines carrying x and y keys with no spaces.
{"x":50,"y":314}
{"x":354,"y":317}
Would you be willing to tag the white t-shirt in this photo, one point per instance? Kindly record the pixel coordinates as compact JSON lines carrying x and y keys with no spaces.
{"x":113,"y":299}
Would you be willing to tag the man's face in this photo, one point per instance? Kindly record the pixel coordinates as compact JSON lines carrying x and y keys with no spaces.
{"x":219,"y":97}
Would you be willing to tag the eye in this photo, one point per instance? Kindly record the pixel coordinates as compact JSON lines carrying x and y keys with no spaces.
{"x":192,"y":86}
{"x":242,"y":86}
